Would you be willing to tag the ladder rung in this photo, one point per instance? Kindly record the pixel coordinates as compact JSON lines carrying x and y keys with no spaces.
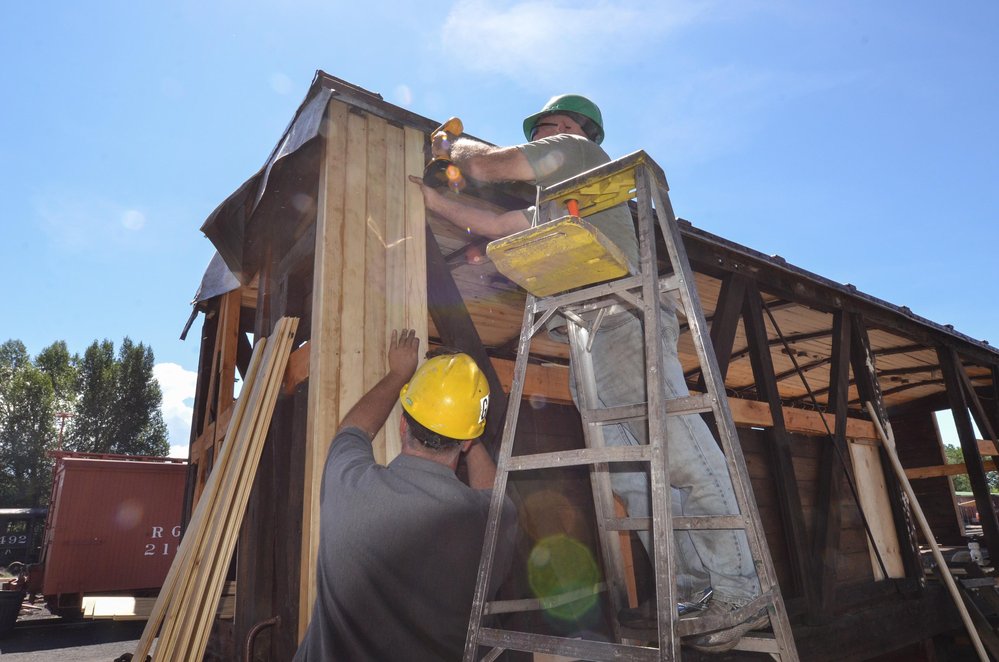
{"x":691,"y":404}
{"x":706,"y":523}
{"x":537,"y":604}
{"x":628,"y":523}
{"x":573,"y":648}
{"x":758,"y":643}
{"x":578,"y":457}
{"x":588,"y":293}
{"x":701,"y":523}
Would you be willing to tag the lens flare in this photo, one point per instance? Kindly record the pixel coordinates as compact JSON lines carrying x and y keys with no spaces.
{"x":559,"y":565}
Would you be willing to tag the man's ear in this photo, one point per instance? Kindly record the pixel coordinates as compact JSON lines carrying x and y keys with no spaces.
{"x":465,"y":445}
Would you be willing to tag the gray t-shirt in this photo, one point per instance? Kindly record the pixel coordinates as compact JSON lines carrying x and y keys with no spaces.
{"x":399,"y":550}
{"x":560,"y":157}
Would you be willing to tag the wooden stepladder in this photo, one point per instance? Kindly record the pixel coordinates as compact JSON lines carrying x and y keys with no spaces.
{"x":558,"y":265}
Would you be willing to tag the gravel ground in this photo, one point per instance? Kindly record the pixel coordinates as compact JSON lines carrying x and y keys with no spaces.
{"x":41,"y":637}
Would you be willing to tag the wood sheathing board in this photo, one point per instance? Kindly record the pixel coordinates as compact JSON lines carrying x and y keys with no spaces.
{"x":369,"y":278}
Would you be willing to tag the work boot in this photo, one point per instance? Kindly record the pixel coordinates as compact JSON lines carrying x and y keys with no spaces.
{"x":723,"y":640}
{"x":643,"y":617}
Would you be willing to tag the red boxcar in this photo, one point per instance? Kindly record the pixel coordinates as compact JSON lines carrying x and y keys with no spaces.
{"x":113,"y":527}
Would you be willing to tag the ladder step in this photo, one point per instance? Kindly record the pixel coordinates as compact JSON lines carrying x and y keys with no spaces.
{"x":587,"y":295}
{"x":578,"y":457}
{"x":574,"y":648}
{"x":691,"y":404}
{"x":701,"y":523}
{"x":539,"y":604}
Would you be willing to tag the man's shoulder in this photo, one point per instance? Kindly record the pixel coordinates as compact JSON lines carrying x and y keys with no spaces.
{"x":566,"y":141}
{"x":560,"y":157}
{"x":350,"y":442}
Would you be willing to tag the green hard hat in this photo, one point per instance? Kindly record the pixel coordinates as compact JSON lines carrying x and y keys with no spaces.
{"x":571,"y":104}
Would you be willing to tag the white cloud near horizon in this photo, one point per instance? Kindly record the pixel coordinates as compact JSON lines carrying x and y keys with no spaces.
{"x":177,"y":385}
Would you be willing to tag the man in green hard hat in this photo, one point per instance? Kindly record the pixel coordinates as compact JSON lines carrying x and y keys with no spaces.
{"x":563,"y":141}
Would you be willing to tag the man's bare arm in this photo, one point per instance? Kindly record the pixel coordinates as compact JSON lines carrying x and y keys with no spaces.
{"x":482,"y":222}
{"x":486,"y":163}
{"x":481,"y":468}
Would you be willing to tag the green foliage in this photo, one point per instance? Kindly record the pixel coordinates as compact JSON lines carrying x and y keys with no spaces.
{"x":962,"y":483}
{"x":119,"y":406}
{"x":955,"y":455}
{"x":27,"y":426}
{"x":101,"y":403}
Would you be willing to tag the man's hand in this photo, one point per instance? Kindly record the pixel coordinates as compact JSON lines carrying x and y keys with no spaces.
{"x":404,"y":353}
{"x":371,"y":411}
{"x":431,"y":196}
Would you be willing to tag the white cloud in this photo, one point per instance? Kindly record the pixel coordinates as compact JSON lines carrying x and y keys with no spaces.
{"x":281,"y":83}
{"x":403,"y":95}
{"x":545,"y":41}
{"x":80,"y":221}
{"x":177,"y":385}
{"x":133,"y":219}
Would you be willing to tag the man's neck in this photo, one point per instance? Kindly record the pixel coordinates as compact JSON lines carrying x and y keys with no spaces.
{"x":425,"y":454}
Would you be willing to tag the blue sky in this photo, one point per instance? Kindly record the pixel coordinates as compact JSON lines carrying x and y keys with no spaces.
{"x":856,"y":139}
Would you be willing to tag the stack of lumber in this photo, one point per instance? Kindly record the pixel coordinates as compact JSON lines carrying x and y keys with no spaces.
{"x":187,"y":603}
{"x":129,"y":608}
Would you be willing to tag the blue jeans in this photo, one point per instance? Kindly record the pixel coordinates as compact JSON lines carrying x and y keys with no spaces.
{"x":697,"y":469}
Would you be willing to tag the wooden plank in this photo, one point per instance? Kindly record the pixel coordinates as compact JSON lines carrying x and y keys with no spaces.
{"x":915,"y":473}
{"x":541,"y":384}
{"x":865,"y":373}
{"x":177,"y":623}
{"x":209,"y":583}
{"x":873,"y":495}
{"x":195,"y":532}
{"x":298,"y":369}
{"x":352,"y":304}
{"x":324,"y":364}
{"x":415,"y":232}
{"x":395,"y":258}
{"x":375,"y":336}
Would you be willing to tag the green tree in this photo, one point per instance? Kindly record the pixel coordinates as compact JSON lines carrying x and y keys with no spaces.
{"x":27,"y":408}
{"x":955,"y":455}
{"x":118,"y":410}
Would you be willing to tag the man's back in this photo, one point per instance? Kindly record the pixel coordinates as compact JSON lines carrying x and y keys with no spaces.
{"x":399,"y":554}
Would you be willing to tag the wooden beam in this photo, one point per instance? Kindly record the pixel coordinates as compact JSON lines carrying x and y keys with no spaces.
{"x":826,"y":527}
{"x":779,"y":446}
{"x":936,"y":471}
{"x":456,"y":329}
{"x":725,"y":323}
{"x":972,"y":458}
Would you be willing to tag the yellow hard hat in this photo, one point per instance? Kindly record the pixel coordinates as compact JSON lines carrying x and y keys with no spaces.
{"x":448,"y":395}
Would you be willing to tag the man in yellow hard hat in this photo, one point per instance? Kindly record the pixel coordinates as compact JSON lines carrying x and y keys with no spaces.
{"x":563,"y":141}
{"x":399,"y":545}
